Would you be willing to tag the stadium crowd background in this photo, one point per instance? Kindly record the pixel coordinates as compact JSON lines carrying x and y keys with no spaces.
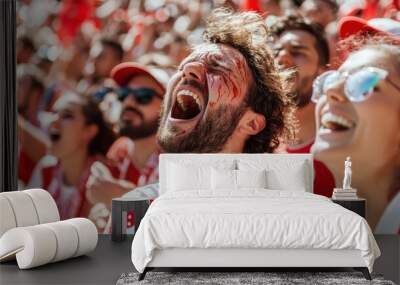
{"x":66,"y":51}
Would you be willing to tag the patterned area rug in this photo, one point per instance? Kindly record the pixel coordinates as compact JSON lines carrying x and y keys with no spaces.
{"x":230,"y":278}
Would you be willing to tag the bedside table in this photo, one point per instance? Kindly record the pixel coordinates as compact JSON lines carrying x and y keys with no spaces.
{"x":358,"y":206}
{"x":120,"y":208}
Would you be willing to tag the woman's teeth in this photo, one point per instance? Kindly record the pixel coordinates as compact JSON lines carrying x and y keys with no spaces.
{"x":335,"y":122}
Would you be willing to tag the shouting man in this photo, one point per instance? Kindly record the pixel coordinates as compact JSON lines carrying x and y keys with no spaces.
{"x":227,"y":96}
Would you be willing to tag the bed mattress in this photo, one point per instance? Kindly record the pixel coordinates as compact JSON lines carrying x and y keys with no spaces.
{"x":250,"y":219}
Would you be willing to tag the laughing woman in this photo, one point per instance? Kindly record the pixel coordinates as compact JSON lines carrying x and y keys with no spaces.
{"x":79,"y":136}
{"x":358,"y":115}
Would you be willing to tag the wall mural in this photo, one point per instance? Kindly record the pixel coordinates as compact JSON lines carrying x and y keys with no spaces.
{"x":104,"y":87}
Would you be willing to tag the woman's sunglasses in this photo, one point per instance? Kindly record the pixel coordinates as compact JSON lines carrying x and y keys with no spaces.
{"x":358,"y":86}
{"x":143,"y":96}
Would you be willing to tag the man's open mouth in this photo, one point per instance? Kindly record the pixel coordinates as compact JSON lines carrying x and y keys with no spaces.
{"x":187,"y":106}
{"x":336,"y":123}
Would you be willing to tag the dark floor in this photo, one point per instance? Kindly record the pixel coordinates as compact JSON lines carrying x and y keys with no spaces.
{"x":102,"y":266}
{"x":106,"y":264}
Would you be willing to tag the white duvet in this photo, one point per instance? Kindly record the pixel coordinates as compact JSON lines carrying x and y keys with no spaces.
{"x":252,"y":218}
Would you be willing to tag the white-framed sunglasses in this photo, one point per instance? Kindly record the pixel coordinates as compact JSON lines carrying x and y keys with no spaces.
{"x":358,"y":85}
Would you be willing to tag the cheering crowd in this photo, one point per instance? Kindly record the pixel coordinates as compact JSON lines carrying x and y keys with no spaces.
{"x":104,"y":87}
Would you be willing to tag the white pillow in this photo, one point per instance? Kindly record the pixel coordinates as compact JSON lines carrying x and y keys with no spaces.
{"x":237,"y":179}
{"x":185,"y":174}
{"x":182,"y":177}
{"x":223,"y":179}
{"x":293,"y":180}
{"x":251,"y":178}
{"x":281,"y":174}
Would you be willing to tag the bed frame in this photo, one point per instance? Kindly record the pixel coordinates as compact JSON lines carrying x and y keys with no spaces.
{"x":244,"y":259}
{"x":249,"y":259}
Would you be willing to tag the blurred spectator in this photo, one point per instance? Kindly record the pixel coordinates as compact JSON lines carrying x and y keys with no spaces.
{"x":30,"y":93}
{"x":25,"y":49}
{"x":320,"y":12}
{"x":79,"y":137}
{"x":161,"y":61}
{"x":301,"y":46}
{"x":106,"y":54}
{"x":30,"y":83}
{"x":271,"y":7}
{"x":370,"y":9}
{"x":358,"y":115}
{"x":71,"y":17}
{"x":349,"y":26}
{"x":43,"y":63}
{"x":32,"y":146}
{"x":65,"y":73}
{"x":357,"y":30}
{"x":136,"y":152}
{"x":333,"y":39}
{"x":263,"y":7}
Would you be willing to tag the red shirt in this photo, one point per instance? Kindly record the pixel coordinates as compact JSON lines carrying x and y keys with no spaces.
{"x":25,"y":167}
{"x":324,"y":182}
{"x":120,"y":153}
{"x":70,"y":200}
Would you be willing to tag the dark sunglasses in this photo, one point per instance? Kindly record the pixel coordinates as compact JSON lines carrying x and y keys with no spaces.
{"x":142,"y":96}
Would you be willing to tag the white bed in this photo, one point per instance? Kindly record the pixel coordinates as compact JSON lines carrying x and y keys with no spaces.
{"x":205,"y":226}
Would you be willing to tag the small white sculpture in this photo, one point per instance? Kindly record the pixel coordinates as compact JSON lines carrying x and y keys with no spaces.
{"x":347,"y":174}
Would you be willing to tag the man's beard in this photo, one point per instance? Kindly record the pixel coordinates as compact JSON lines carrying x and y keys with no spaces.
{"x":301,"y":99}
{"x":302,"y":96}
{"x":143,"y":131}
{"x":209,"y":136}
{"x":146,"y":129}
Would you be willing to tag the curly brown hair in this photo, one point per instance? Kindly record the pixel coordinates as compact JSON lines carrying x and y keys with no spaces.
{"x":269,"y":94}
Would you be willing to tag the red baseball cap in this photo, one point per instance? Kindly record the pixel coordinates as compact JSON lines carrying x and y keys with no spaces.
{"x":350,"y":25}
{"x":125,"y":71}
